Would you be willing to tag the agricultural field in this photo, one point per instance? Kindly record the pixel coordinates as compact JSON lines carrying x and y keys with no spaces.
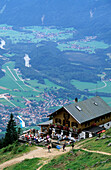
{"x":36,"y":34}
{"x":85,"y":85}
{"x":30,"y":89}
{"x":13,"y":84}
{"x":48,"y":84}
{"x":12,"y":80}
{"x":101,"y":86}
{"x":82,"y":45}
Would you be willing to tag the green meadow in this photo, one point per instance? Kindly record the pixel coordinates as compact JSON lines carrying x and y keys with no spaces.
{"x":48,"y":84}
{"x":5,"y":102}
{"x":89,"y":46}
{"x":94,"y":88}
{"x":18,"y":87}
{"x":36,"y":34}
{"x":9,"y":55}
{"x":31,"y":164}
{"x":12,"y":82}
{"x":87,"y":85}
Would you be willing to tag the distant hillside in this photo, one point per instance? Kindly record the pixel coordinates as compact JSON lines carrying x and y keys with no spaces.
{"x":90,"y":17}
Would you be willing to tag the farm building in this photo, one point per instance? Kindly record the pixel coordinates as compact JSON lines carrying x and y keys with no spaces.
{"x":78,"y":116}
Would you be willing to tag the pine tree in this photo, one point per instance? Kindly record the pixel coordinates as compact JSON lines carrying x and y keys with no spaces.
{"x":11,"y":132}
{"x":1,"y":143}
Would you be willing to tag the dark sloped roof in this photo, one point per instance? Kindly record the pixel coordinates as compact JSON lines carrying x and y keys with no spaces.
{"x":94,"y":129}
{"x":88,"y":109}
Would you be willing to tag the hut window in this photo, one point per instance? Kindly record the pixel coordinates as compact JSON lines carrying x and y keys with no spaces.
{"x":108,"y":116}
{"x":57,"y":120}
{"x":96,"y":120}
{"x":87,"y":124}
{"x":66,"y":116}
{"x":74,"y":124}
{"x":103,"y":117}
{"x":66,"y":123}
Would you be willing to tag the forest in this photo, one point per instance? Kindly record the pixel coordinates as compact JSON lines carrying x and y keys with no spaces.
{"x":49,"y":62}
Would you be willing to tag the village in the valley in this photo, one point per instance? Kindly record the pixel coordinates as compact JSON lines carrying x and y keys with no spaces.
{"x":34,"y":112}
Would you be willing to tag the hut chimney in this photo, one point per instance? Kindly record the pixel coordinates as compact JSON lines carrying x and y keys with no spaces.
{"x":76,"y":100}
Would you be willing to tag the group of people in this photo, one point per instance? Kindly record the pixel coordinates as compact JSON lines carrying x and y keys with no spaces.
{"x":28,"y":137}
{"x":63,"y":147}
{"x":38,"y":137}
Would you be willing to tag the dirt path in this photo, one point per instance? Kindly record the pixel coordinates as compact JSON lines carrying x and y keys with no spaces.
{"x":104,"y":153}
{"x":43,"y":153}
{"x":37,"y":153}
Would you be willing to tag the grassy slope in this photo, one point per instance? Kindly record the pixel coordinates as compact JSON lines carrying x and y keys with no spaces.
{"x":78,"y":159}
{"x":13,"y":151}
{"x":99,"y":145}
{"x":31,"y":164}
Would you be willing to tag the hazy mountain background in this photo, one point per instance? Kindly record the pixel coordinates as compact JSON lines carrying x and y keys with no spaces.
{"x":88,"y":17}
